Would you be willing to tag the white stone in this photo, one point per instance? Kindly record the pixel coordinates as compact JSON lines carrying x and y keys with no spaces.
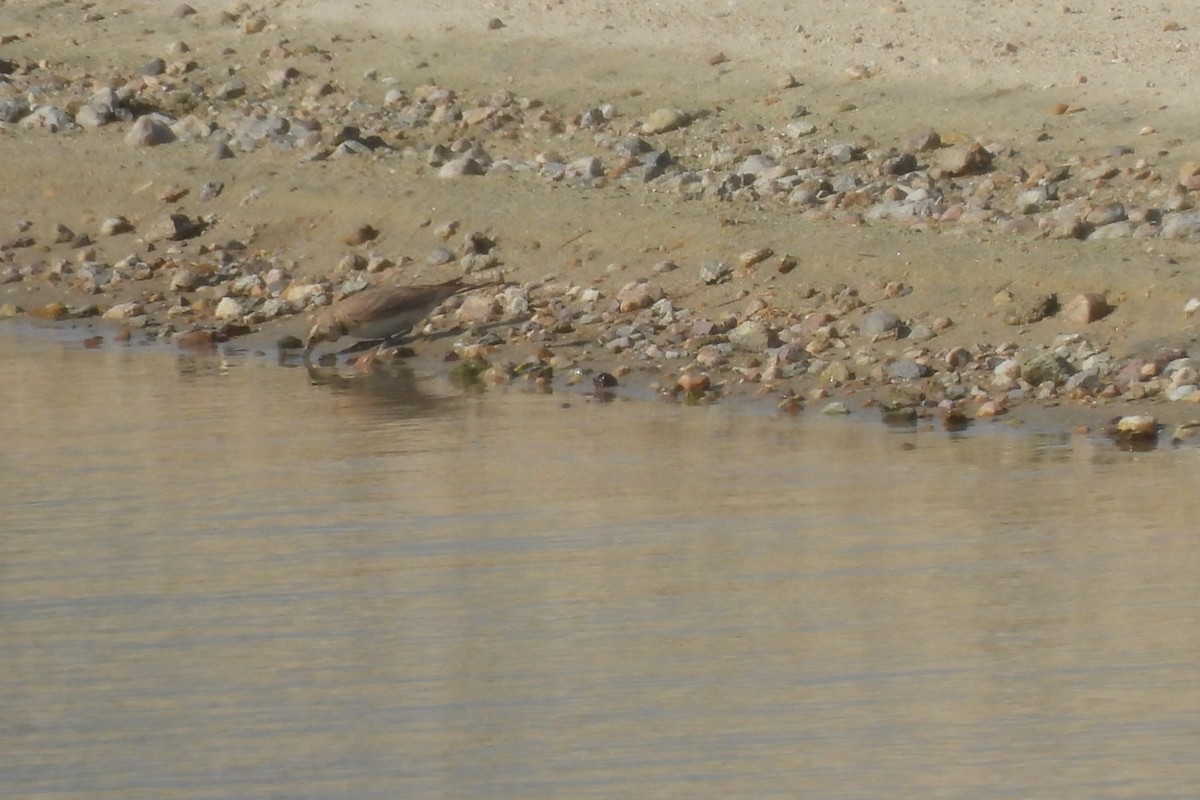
{"x":229,"y":309}
{"x":125,"y":311}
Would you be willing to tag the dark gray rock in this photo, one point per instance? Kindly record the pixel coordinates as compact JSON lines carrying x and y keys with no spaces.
{"x":907,"y":369}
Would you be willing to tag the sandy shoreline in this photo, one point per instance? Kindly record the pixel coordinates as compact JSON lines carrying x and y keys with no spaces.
{"x":868,"y":77}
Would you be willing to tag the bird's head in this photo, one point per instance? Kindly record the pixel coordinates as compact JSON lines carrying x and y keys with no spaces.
{"x":325,"y":329}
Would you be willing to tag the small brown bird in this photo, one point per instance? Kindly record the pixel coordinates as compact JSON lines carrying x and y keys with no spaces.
{"x":381,"y":313}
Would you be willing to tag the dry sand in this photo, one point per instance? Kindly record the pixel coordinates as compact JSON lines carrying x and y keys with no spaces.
{"x":870,"y":72}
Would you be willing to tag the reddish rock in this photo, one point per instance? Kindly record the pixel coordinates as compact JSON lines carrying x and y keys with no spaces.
{"x":476,"y":308}
{"x":638,"y":295}
{"x":195,"y":340}
{"x":51,"y":311}
{"x":1087,"y":307}
{"x":693,"y":382}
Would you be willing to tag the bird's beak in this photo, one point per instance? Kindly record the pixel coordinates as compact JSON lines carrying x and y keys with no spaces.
{"x":311,"y":341}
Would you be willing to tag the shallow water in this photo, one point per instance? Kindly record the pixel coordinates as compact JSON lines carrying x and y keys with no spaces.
{"x":223,"y":580}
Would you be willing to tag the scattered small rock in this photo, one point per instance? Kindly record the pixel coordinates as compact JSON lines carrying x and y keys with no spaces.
{"x":1086,"y":308}
{"x":637,"y":295}
{"x":908,"y":369}
{"x":714,"y":272}
{"x":693,"y":383}
{"x":124,"y":311}
{"x":878,"y":322}
{"x":229,"y":308}
{"x":150,"y":130}
{"x":1137,"y":426}
{"x":1034,"y":310}
{"x":114,"y":226}
{"x":360,"y":236}
{"x":966,"y":160}
{"x":1047,"y":366}
{"x":665,"y":120}
{"x":50,"y":311}
{"x":174,"y":227}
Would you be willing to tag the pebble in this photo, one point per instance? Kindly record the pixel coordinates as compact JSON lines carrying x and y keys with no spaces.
{"x":477,"y":307}
{"x":965,"y":160}
{"x":124,"y":311}
{"x":714,"y":272}
{"x":173,"y":227}
{"x":360,"y":236}
{"x":1009,"y":370}
{"x":149,"y":131}
{"x":229,"y":308}
{"x":751,"y":335}
{"x":461,"y":167}
{"x":1047,"y":366}
{"x":878,"y":322}
{"x":638,"y":295}
{"x":1137,"y":426}
{"x":446,"y":229}
{"x":185,"y":280}
{"x":1180,"y":392}
{"x":836,"y":374}
{"x":853,"y":181}
{"x":693,"y":382}
{"x":1181,"y":226}
{"x":958,"y":358}
{"x":50,"y":311}
{"x":13,"y":109}
{"x":198,"y":340}
{"x":907,"y":369}
{"x":1032,"y":310}
{"x":114,"y":226}
{"x":351,"y":263}
{"x":800,"y":128}
{"x":665,"y":120}
{"x":586,"y":167}
{"x":439,"y":255}
{"x":990,"y":408}
{"x":1085,"y":308}
{"x":92,"y":116}
{"x":756,"y":256}
{"x":920,"y":333}
{"x":155,"y":66}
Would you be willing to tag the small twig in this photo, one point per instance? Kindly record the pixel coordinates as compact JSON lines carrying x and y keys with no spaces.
{"x":575,"y":238}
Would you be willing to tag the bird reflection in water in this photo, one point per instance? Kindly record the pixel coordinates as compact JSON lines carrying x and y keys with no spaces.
{"x":378,"y":383}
